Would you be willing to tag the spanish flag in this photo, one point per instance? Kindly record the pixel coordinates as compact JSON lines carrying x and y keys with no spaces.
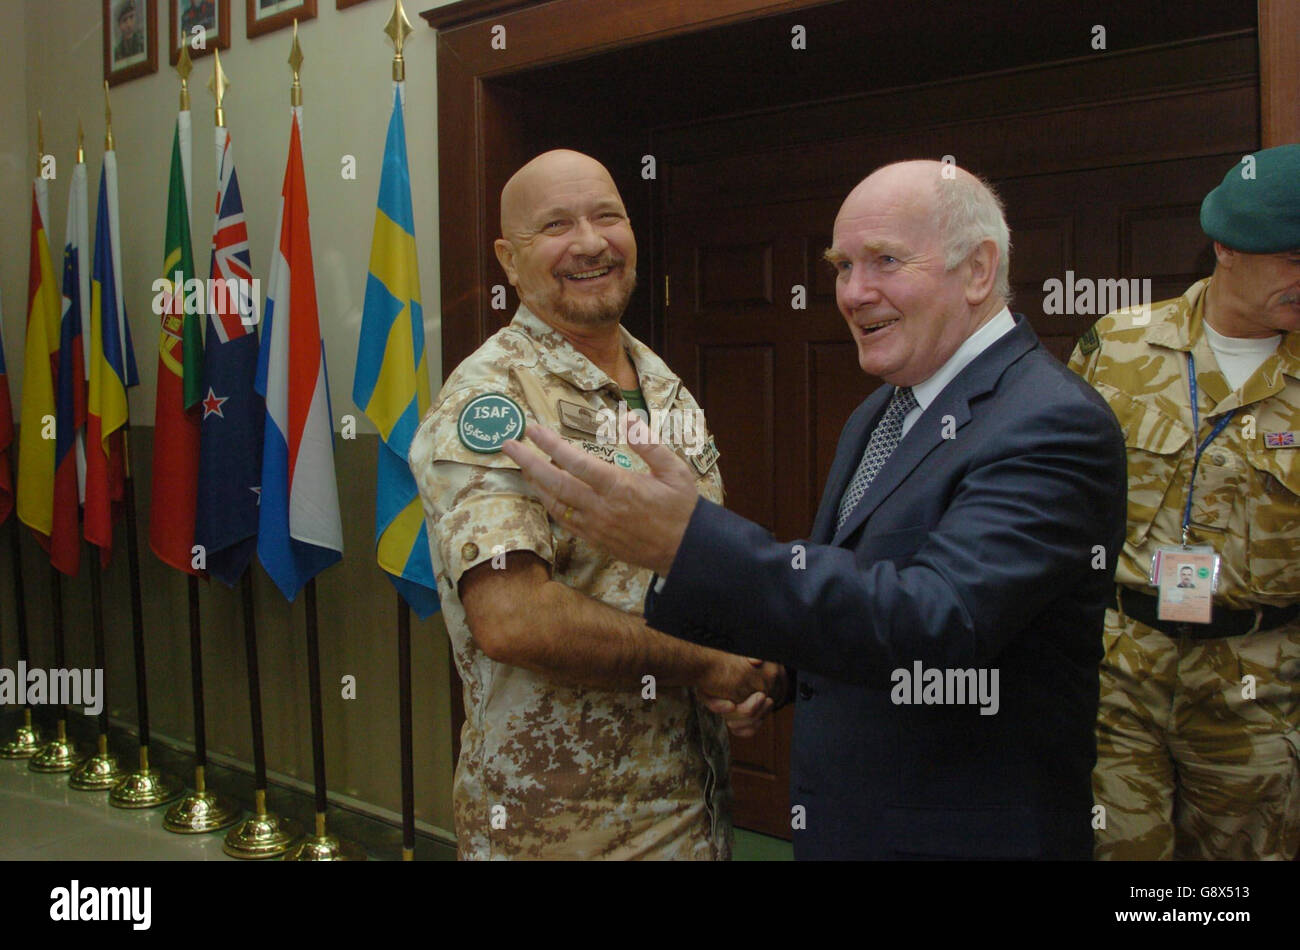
{"x":112,"y":371}
{"x":36,"y":435}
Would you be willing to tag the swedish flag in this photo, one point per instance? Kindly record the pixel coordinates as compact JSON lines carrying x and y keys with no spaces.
{"x":391,"y":385}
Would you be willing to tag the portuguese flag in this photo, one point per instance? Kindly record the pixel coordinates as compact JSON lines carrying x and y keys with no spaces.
{"x":177,"y":412}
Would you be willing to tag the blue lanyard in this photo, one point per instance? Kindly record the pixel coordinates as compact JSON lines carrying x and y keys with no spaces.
{"x":1196,"y":427}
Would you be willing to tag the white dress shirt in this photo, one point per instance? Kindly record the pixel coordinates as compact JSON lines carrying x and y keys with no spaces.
{"x":928,"y":391}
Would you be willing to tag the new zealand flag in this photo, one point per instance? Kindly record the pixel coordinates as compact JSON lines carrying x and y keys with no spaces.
{"x":230,"y":446}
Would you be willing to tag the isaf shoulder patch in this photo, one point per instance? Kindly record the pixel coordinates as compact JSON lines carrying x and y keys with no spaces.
{"x":1089,"y":342}
{"x":487,"y":421}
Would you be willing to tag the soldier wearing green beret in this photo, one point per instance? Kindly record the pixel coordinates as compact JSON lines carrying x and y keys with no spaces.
{"x":1199,"y":722}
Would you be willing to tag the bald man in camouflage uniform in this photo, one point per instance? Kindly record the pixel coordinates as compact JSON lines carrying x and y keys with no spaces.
{"x":586,"y":732}
{"x":1199,"y":723}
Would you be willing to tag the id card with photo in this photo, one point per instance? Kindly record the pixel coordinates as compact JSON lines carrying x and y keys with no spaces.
{"x":1186,"y":580}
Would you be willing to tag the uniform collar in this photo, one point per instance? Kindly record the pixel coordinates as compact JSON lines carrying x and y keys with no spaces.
{"x":1180,"y":325}
{"x":658,"y":382}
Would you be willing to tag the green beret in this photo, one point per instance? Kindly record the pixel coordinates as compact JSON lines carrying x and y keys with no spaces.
{"x":1256,"y":208}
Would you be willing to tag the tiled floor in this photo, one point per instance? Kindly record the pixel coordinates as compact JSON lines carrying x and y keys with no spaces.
{"x":42,"y":819}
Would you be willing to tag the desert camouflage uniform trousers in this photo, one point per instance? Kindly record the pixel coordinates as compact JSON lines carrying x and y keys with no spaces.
{"x":1198,"y":745}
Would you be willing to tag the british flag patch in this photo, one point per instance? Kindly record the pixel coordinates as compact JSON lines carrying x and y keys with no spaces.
{"x":1280,"y":440}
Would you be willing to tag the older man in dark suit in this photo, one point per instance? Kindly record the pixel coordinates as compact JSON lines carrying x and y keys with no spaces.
{"x":945,"y":617}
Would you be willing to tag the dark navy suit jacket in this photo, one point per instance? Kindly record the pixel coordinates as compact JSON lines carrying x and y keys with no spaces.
{"x":993,"y":548}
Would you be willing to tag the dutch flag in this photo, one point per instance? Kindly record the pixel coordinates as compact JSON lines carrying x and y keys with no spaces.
{"x":300,"y":532}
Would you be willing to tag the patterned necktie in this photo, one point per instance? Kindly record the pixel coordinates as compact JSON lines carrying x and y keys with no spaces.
{"x":884,"y":439}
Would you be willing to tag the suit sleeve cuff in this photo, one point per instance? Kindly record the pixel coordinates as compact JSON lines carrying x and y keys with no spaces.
{"x":676,"y":604}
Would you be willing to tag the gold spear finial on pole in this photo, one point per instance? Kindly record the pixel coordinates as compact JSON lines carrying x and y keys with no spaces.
{"x":217,"y":86}
{"x":398,"y":29}
{"x":295,"y":62}
{"x":108,"y":121}
{"x":184,"y":66}
{"x":81,"y":143}
{"x":40,"y":141}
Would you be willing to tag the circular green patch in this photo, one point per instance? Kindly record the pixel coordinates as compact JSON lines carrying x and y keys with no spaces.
{"x":488,"y":420}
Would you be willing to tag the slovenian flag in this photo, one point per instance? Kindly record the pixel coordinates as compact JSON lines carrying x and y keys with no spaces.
{"x":300,"y":532}
{"x":391,"y":385}
{"x":230,"y":447}
{"x":6,"y":434}
{"x":35,"y":499}
{"x":70,"y":384}
{"x":180,"y":368}
{"x":112,"y":371}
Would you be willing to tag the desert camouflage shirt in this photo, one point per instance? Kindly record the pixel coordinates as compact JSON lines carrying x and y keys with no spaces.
{"x":1247,"y":496}
{"x":548,"y":770}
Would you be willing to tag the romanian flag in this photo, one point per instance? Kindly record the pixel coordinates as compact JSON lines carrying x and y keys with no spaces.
{"x":6,"y":434}
{"x":36,"y":435}
{"x":70,"y":384}
{"x":300,"y":532}
{"x":391,"y":385}
{"x":180,"y":367}
{"x":230,"y":448}
{"x":112,"y":371}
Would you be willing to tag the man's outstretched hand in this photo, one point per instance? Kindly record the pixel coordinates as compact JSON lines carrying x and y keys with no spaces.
{"x":636,"y":517}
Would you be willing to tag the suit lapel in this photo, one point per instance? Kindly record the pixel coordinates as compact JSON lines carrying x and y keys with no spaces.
{"x":926,"y":434}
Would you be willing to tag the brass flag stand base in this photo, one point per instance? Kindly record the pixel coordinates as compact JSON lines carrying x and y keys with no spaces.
{"x":323,"y":846}
{"x":262,"y":834}
{"x":200,"y":811}
{"x":146,"y":788}
{"x":98,"y":773}
{"x":25,"y":743}
{"x":57,"y":755}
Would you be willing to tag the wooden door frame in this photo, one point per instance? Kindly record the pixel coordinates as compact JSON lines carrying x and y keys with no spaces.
{"x":479,"y":141}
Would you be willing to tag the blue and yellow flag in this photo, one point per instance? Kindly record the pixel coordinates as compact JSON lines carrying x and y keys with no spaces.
{"x":111,"y":359}
{"x":391,"y":385}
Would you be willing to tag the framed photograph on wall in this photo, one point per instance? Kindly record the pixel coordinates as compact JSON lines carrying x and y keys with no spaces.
{"x":130,"y":39}
{"x":203,"y":24}
{"x":266,"y":16}
{"x":344,"y":4}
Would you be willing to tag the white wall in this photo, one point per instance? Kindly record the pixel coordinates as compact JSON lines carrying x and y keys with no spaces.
{"x":52,"y":63}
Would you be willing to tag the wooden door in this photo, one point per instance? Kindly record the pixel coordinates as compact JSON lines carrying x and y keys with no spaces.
{"x":751,"y":326}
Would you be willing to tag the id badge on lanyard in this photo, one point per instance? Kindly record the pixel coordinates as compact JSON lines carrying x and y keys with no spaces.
{"x":1187,"y":575}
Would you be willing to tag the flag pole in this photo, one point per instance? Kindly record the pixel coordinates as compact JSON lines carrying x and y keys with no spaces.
{"x":146,"y":787}
{"x":26,"y":740}
{"x":100,"y":772}
{"x":201,"y":810}
{"x":60,"y":755}
{"x":264,"y":834}
{"x":404,"y":701}
{"x":57,"y":755}
{"x":321,"y":846}
{"x":398,"y":29}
